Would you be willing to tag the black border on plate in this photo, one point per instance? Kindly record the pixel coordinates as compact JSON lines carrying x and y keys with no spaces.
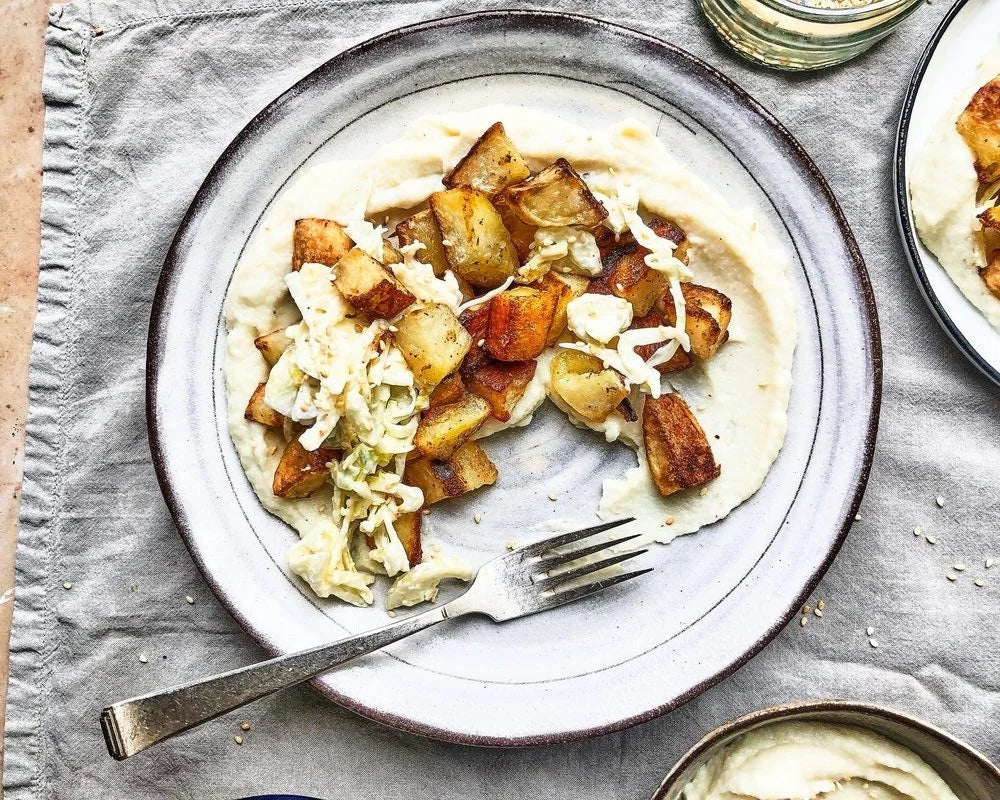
{"x":795,"y":154}
{"x":906,"y":231}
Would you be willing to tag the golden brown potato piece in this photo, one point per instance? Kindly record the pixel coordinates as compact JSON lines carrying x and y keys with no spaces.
{"x":979,"y":125}
{"x":421,"y":227}
{"x":432,"y":341}
{"x":708,"y":313}
{"x":555,"y":196}
{"x":408,"y":528}
{"x":501,"y":384}
{"x":474,"y":320}
{"x":450,"y":390}
{"x":443,"y":429}
{"x":613,"y":247}
{"x":666,"y":229}
{"x":272,"y":345}
{"x":630,"y":279}
{"x":519,"y":323}
{"x":564,"y":288}
{"x":991,"y":218}
{"x":370,"y":286}
{"x":677,"y":449}
{"x":468,"y":469}
{"x":585,"y":385}
{"x":991,"y":274}
{"x":301,"y":472}
{"x":476,"y":243}
{"x":521,"y":233}
{"x":680,"y":360}
{"x":259,"y":411}
{"x":492,"y":164}
{"x":318,"y":241}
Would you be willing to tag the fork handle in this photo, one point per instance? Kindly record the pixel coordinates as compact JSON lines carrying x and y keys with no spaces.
{"x":133,"y":725}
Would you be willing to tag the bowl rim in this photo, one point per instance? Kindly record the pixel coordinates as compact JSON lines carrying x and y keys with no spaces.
{"x":793,"y":708}
{"x":839,"y":15}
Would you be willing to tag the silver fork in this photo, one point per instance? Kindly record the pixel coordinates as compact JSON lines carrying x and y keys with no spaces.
{"x":519,"y":583}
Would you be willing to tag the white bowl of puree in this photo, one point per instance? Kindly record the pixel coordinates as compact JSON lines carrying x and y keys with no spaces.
{"x":830,"y":750}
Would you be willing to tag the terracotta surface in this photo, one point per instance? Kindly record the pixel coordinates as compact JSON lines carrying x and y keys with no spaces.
{"x":22,"y":28}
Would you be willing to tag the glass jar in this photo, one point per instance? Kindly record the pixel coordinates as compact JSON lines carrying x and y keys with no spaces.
{"x":794,"y":36}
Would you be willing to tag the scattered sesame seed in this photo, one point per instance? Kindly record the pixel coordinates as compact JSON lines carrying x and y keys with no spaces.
{"x":553,"y":498}
{"x":480,"y":343}
{"x":703,"y":492}
{"x":869,"y":631}
{"x":958,"y":567}
{"x":189,"y":599}
{"x":427,"y":511}
{"x":979,"y":582}
{"x":391,"y":613}
{"x":700,"y":408}
{"x":873,"y":642}
{"x":67,"y":585}
{"x":857,"y":518}
{"x":477,"y":518}
{"x":143,"y":658}
{"x":806,"y":609}
{"x":511,"y":544}
{"x":820,"y":604}
{"x":918,"y":531}
{"x":804,"y":621}
{"x":989,"y":562}
{"x":670,"y":520}
{"x":931,"y":539}
{"x":940,"y":501}
{"x":238,"y":739}
{"x":952,"y":576}
{"x":245,"y":726}
{"x":818,"y":612}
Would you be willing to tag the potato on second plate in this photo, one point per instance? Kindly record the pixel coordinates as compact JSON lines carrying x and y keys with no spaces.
{"x":301,"y":472}
{"x":677,"y":449}
{"x":585,"y":385}
{"x":476,"y":243}
{"x":468,"y":469}
{"x":370,"y":286}
{"x":443,"y":429}
{"x":432,"y":341}
{"x":491,"y":164}
{"x":519,"y":323}
{"x":318,"y":241}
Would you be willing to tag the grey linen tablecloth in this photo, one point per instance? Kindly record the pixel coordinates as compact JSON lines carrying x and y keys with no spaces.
{"x":140,"y":100}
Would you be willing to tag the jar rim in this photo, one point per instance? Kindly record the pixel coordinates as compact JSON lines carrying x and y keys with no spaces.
{"x":837,"y":15}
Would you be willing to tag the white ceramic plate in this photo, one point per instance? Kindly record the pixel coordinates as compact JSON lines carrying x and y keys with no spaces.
{"x":948,"y":65}
{"x":715,"y":598}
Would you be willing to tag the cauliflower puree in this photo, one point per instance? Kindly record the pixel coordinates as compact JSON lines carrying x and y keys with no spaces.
{"x":815,"y":761}
{"x":740,"y":396}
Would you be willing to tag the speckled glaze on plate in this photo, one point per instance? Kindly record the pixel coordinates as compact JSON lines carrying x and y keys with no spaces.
{"x":716,"y":598}
{"x":947,"y":66}
{"x":970,"y":774}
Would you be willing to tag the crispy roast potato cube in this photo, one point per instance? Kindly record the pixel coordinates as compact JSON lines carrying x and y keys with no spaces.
{"x":631,"y":279}
{"x":708,"y":313}
{"x":443,"y":429}
{"x":586,"y":385}
{"x":666,"y":229}
{"x":318,"y":241}
{"x":677,"y":450}
{"x":301,"y":472}
{"x":474,"y":320}
{"x":370,"y":286}
{"x":519,"y":323}
{"x":501,"y":384}
{"x":432,"y":341}
{"x":555,"y":196}
{"x":450,"y":390}
{"x":272,"y":345}
{"x":408,"y":527}
{"x":476,"y":243}
{"x":991,"y":274}
{"x":991,"y":218}
{"x":421,"y":227}
{"x":390,"y":253}
{"x":259,"y":411}
{"x":680,"y":360}
{"x":492,"y":164}
{"x":468,"y":469}
{"x":564,"y":288}
{"x":979,"y":125}
{"x":521,"y":233}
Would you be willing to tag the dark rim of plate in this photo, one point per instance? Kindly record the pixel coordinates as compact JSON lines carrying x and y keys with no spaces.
{"x":711,"y":740}
{"x":902,"y":195}
{"x":538,"y":19}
